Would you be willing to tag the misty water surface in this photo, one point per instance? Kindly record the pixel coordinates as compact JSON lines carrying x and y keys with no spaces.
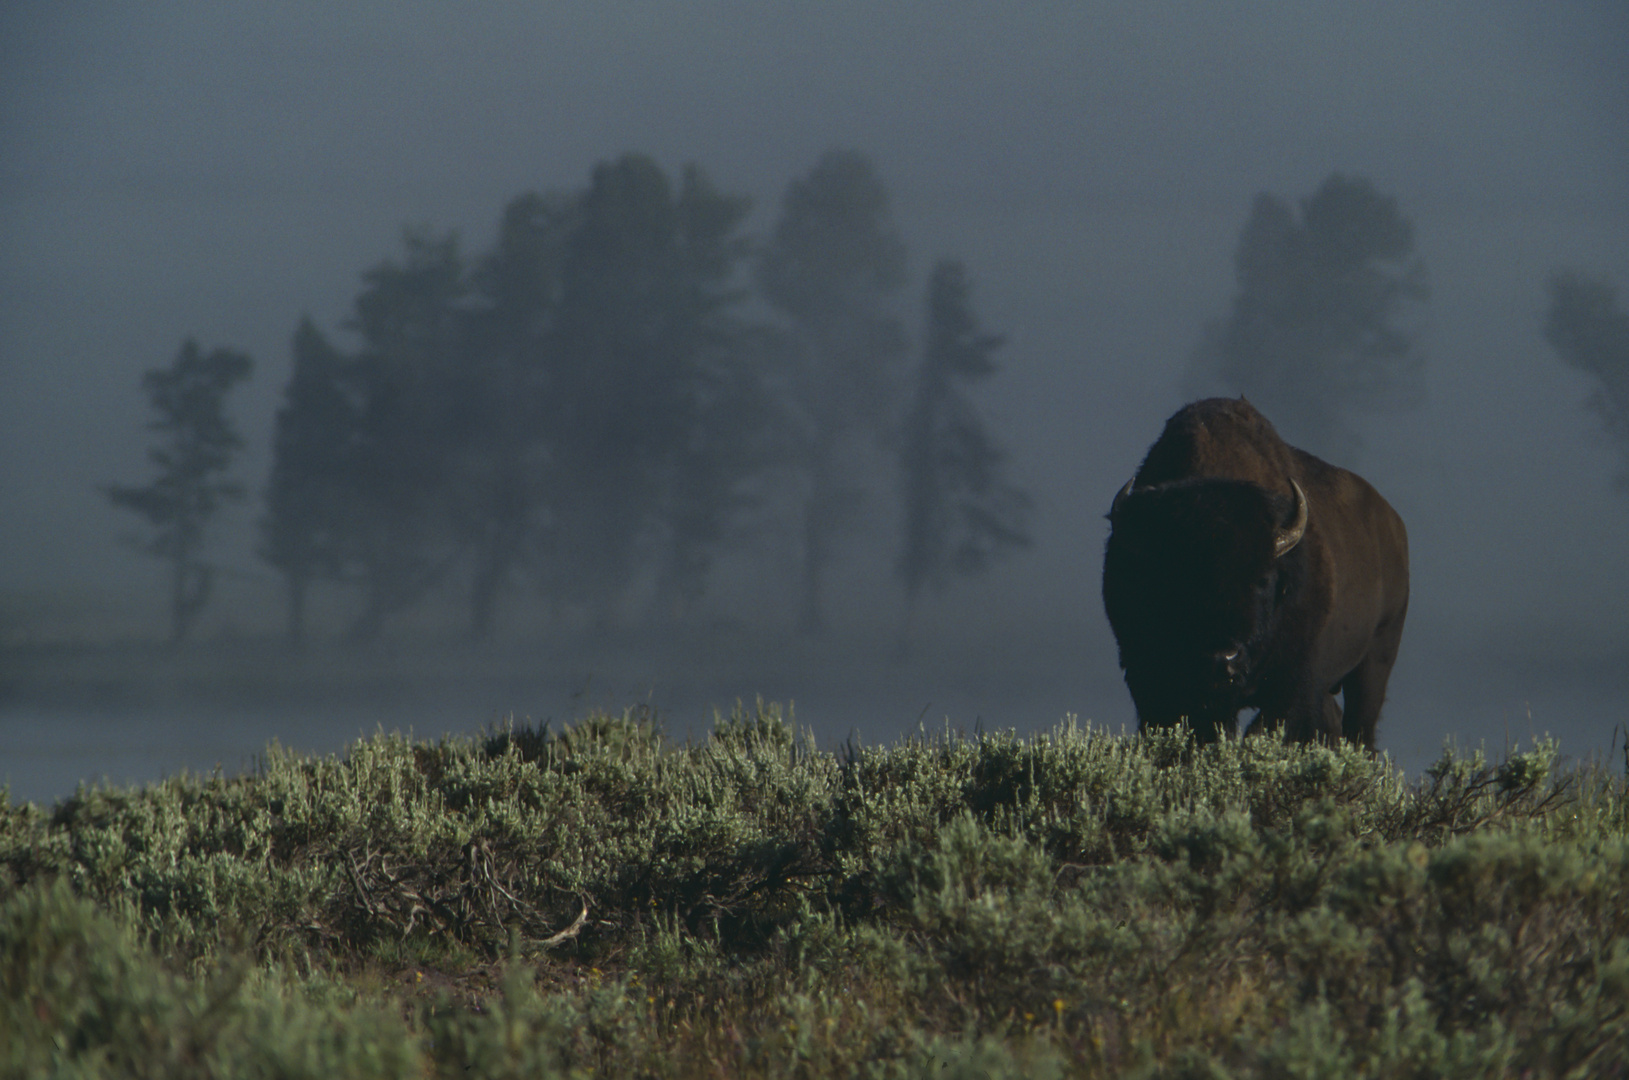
{"x":46,"y":752}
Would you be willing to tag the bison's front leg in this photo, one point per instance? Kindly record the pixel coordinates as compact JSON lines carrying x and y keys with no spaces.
{"x":1311,"y":714}
{"x":1315,"y":717}
{"x":1212,"y":725}
{"x":1158,"y":707}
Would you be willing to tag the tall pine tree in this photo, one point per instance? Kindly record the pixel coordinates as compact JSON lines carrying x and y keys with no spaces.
{"x":830,"y":269}
{"x":197,"y":444}
{"x":308,"y":498}
{"x":410,"y":318}
{"x":1589,"y":331}
{"x":497,"y":403}
{"x":720,"y":451}
{"x":1314,"y":333}
{"x":646,"y":367}
{"x":961,"y":513}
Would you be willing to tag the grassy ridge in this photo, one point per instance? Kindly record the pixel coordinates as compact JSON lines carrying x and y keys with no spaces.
{"x":598,"y":902}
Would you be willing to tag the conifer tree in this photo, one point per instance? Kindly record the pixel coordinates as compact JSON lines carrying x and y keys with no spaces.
{"x":646,"y":372}
{"x":721,"y":450}
{"x":308,"y":498}
{"x":399,"y":535}
{"x":196,"y":447}
{"x":1589,"y":331}
{"x":499,"y":423}
{"x":830,"y":268}
{"x":961,"y":513}
{"x":1314,"y":331}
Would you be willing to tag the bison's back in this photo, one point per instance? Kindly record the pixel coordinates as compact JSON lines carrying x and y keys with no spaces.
{"x":1224,"y":438}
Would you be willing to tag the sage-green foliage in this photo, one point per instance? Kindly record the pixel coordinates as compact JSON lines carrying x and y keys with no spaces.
{"x":598,"y":901}
{"x":79,"y":996}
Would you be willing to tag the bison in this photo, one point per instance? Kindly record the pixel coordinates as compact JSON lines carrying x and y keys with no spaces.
{"x":1243,"y":573}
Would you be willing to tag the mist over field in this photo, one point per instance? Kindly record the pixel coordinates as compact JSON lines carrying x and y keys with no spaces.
{"x":219,"y":171}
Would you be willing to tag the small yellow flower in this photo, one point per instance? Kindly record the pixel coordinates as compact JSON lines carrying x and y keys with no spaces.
{"x":1057,"y":1006}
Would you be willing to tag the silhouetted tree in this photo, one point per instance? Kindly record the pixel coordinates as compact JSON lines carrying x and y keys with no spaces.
{"x":1313,"y":329}
{"x":644,"y":371}
{"x":613,"y":400}
{"x":197,"y":446}
{"x":584,"y":404}
{"x":830,"y":267}
{"x":1590,"y":332}
{"x":410,"y":321}
{"x":722,"y":451}
{"x":309,"y":498}
{"x":960,"y":512}
{"x":497,"y":401}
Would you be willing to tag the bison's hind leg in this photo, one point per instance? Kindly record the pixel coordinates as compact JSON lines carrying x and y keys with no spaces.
{"x":1365,"y":685}
{"x":1365,"y":689}
{"x":1312,"y":715}
{"x":1333,"y":722}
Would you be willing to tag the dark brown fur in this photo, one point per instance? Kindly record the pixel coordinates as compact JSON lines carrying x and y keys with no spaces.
{"x":1189,"y":574}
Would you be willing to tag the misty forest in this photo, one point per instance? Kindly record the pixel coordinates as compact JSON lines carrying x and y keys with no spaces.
{"x":585,"y":419}
{"x":590,"y":415}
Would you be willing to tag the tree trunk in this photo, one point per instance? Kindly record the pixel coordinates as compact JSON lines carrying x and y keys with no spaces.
{"x":296,"y":583}
{"x":811,"y":622}
{"x":368,"y":625}
{"x":819,"y":526}
{"x":816,"y":553}
{"x":178,"y":587}
{"x":371,"y":622}
{"x":902,"y":647}
{"x":491,"y":571}
{"x":189,"y":592}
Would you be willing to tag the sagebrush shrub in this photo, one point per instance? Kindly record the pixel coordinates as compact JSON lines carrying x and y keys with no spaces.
{"x":598,"y":901}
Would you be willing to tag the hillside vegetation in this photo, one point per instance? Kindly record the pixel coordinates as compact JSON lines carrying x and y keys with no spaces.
{"x":598,"y":902}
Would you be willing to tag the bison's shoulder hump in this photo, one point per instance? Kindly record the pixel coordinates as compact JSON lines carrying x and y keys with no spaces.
{"x":1218,"y":437}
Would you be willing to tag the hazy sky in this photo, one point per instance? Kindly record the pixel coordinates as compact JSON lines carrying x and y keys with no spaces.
{"x":217,"y":169}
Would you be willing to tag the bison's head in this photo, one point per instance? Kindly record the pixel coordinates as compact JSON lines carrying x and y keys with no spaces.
{"x":1194,"y":577}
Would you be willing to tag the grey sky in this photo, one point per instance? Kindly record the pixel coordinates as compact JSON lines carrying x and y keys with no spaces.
{"x":216,"y":169}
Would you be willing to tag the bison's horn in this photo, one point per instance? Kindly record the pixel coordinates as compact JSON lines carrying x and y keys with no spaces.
{"x":1285,"y":539}
{"x":1121,"y":496}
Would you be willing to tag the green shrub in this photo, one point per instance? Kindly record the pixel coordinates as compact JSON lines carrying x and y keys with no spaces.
{"x":597,"y":901}
{"x":79,"y":996}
